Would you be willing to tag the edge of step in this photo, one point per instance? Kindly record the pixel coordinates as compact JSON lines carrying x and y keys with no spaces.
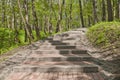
{"x":58,"y":68}
{"x":62,"y":51}
{"x":70,"y":58}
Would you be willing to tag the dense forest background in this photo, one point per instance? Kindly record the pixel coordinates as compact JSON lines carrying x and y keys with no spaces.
{"x":25,"y":21}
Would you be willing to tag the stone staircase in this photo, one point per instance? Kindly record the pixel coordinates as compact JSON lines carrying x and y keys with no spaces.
{"x":55,"y":55}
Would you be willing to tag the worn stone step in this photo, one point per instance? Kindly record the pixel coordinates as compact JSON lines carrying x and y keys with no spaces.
{"x":86,"y":68}
{"x":56,"y":54}
{"x":39,"y":63}
{"x":65,"y":42}
{"x":38,"y":55}
{"x":54,"y":43}
{"x":72,"y":32}
{"x":54,"y":76}
{"x":49,"y":38}
{"x":67,"y":51}
{"x":65,"y":47}
{"x":58,"y":47}
{"x":82,"y":58}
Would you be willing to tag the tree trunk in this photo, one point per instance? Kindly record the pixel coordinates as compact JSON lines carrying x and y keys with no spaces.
{"x":35,"y":21}
{"x":109,"y":10}
{"x":59,"y":18}
{"x":27,"y":30}
{"x":89,"y":21}
{"x":70,"y":18}
{"x":3,"y":14}
{"x":81,"y":13}
{"x":117,"y":15}
{"x":103,"y":11}
{"x":16,"y":39}
{"x":45,"y":24}
{"x":58,"y":27}
{"x":119,"y":8}
{"x":27,"y":19}
{"x":50,"y":17}
{"x":95,"y":11}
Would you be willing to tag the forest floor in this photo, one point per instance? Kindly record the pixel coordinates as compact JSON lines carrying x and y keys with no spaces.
{"x":10,"y":53}
{"x":108,"y":62}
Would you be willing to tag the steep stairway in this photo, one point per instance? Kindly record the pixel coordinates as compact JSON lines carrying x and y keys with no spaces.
{"x":55,"y":58}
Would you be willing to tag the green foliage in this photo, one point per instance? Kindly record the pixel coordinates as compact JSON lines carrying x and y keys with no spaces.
{"x":21,"y":36}
{"x":104,"y":33}
{"x":43,"y":35}
{"x":6,"y":39}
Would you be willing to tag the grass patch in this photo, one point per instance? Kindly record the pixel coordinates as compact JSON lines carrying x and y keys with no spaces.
{"x":104,"y":34}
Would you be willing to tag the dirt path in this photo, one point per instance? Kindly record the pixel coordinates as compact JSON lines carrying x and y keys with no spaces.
{"x":66,"y":56}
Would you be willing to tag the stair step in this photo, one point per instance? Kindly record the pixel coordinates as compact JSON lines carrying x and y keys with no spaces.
{"x":51,"y":38}
{"x":65,"y":47}
{"x":87,"y":58}
{"x":58,"y":68}
{"x":38,"y":55}
{"x":54,"y":76}
{"x":59,"y":47}
{"x":41,"y":63}
{"x":67,"y":51}
{"x":66,"y":42}
{"x":54,"y":43}
{"x":74,"y":32}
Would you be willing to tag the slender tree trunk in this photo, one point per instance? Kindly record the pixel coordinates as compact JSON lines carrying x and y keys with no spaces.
{"x":95,"y":11}
{"x":119,"y":8}
{"x":53,"y":11}
{"x":27,"y":32}
{"x":103,"y":11}
{"x":58,"y":27}
{"x":35,"y":21}
{"x":109,"y":10}
{"x":70,"y":18}
{"x":3,"y":14}
{"x":66,"y":18}
{"x":50,"y":17}
{"x":8,"y":22}
{"x":14,"y":24}
{"x":81,"y":14}
{"x":27,"y":19}
{"x":45,"y":24}
{"x":67,"y":21}
{"x":117,"y":15}
{"x":89,"y":21}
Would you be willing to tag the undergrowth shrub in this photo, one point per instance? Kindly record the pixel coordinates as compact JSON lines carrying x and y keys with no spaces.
{"x":6,"y":39}
{"x":8,"y":36}
{"x":104,"y":34}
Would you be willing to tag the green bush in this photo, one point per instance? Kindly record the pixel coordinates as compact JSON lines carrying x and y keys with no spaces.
{"x":21,"y":36}
{"x":6,"y":39}
{"x":104,"y":34}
